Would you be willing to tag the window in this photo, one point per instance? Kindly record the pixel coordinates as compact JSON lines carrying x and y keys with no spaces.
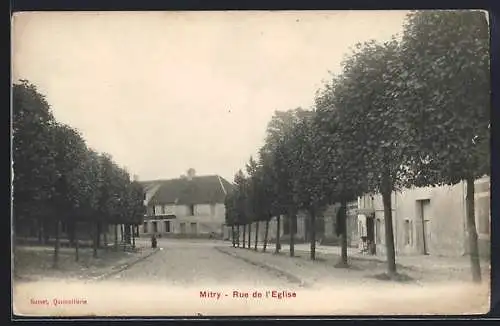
{"x":145,"y":227}
{"x":167,"y":226}
{"x":408,"y":232}
{"x":194,"y":229}
{"x":482,"y":186}
{"x":191,"y":210}
{"x":482,"y":206}
{"x":153,"y":210}
{"x":168,"y":210}
{"x":361,"y":229}
{"x":378,"y":229}
{"x":155,"y":227}
{"x":158,"y":209}
{"x":183,"y":228}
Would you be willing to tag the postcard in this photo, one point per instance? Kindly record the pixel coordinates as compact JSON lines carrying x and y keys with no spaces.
{"x":250,"y":163}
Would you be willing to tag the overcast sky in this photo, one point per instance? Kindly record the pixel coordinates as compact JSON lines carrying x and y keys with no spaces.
{"x":162,"y":92}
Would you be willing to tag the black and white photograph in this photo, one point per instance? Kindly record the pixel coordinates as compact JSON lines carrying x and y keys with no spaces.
{"x":250,"y":163}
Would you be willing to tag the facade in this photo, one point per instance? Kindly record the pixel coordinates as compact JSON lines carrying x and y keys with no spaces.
{"x":427,"y":220}
{"x":325,"y":227}
{"x":191,"y":206}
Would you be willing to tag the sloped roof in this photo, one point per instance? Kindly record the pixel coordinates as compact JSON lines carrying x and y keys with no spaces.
{"x":199,"y":190}
{"x":148,"y":185}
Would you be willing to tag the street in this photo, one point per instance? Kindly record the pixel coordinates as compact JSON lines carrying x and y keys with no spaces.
{"x":188,"y":262}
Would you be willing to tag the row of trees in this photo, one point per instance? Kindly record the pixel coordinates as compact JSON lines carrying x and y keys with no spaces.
{"x":59,"y":179}
{"x":403,"y":113}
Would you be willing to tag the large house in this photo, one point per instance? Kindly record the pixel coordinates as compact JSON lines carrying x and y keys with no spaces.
{"x":427,"y":220}
{"x":189,"y":206}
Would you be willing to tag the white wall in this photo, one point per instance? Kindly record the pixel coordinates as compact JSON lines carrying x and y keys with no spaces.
{"x":446,"y":215}
{"x":208,"y":219}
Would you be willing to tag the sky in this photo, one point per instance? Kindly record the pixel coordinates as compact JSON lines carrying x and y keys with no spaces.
{"x":166,"y":91}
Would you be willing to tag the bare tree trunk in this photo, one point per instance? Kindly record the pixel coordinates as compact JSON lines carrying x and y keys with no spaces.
{"x":249,"y":234}
{"x":57,"y":243}
{"x":291,"y":220}
{"x":40,"y":230}
{"x":232,"y":236}
{"x":256,"y":235}
{"x":122,"y":233}
{"x":95,"y":238}
{"x":106,"y":228}
{"x":124,"y":236}
{"x":238,"y":227}
{"x":342,"y":231}
{"x":266,"y":234}
{"x":133,"y":237}
{"x":244,"y":234}
{"x":71,"y":232}
{"x":472,"y":232}
{"x":312,"y":230}
{"x":77,"y":245}
{"x":75,"y":240}
{"x":128,"y":237}
{"x":99,"y":232}
{"x":116,"y":236}
{"x":278,"y":233}
{"x":46,"y":231}
{"x":389,"y":233}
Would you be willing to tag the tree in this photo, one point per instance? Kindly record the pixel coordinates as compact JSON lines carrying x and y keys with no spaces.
{"x":368,"y":103}
{"x":277,"y":147}
{"x":135,"y":207}
{"x":112,"y":191}
{"x":33,"y":157}
{"x":446,"y":93}
{"x":310,"y":182}
{"x":58,"y":178}
{"x":71,"y":191}
{"x":241,"y":203}
{"x":231,"y":215}
{"x":341,"y":159}
{"x":265,"y":197}
{"x":254,"y":197}
{"x":271,"y":180}
{"x":90,"y":194}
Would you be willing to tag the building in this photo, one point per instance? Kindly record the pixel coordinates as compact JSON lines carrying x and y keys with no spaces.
{"x":325,"y":227}
{"x":190,"y":206}
{"x":427,"y":220}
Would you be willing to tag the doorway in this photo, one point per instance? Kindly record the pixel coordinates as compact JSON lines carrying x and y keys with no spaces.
{"x":424,"y":211}
{"x":194,"y":228}
{"x":370,"y":234}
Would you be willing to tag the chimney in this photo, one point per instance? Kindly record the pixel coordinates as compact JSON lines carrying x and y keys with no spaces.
{"x":190,"y":173}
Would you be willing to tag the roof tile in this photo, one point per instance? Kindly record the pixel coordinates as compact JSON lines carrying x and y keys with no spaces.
{"x":198,"y":190}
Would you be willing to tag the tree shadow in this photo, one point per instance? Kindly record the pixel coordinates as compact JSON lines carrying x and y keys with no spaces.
{"x":397,"y":277}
